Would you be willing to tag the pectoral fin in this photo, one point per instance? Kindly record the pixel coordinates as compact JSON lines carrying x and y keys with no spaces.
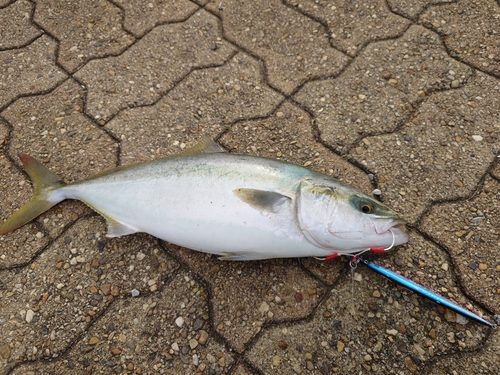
{"x":262,"y":200}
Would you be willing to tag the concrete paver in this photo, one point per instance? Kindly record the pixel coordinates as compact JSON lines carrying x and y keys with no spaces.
{"x":397,"y":98}
{"x":471,"y":230}
{"x":16,"y":28}
{"x":141,"y":16}
{"x":169,"y":52}
{"x":269,"y":300}
{"x":354,"y":24}
{"x":400,"y":330}
{"x":471,"y":30}
{"x":412,"y":8}
{"x":294,"y":48}
{"x":86,"y":29}
{"x":265,"y":137}
{"x":450,"y":142}
{"x":232,"y":92}
{"x":482,"y":360}
{"x":84,"y":281}
{"x":52,"y":128}
{"x":381,"y":88}
{"x":495,"y":172}
{"x":4,"y":131}
{"x":29,"y":70}
{"x":241,"y":370}
{"x":135,"y":332}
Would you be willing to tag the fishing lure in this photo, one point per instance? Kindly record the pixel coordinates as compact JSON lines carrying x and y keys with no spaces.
{"x":411,"y":285}
{"x":419,"y":289}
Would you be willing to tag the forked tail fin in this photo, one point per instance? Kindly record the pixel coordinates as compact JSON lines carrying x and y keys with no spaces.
{"x":44,"y":182}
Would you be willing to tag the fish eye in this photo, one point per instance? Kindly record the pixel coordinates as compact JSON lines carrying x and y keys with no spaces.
{"x":365,"y":207}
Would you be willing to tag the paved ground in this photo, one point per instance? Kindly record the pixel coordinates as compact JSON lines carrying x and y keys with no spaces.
{"x":397,"y":95}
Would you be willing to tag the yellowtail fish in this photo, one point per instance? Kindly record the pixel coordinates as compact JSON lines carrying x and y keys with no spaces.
{"x":239,"y":207}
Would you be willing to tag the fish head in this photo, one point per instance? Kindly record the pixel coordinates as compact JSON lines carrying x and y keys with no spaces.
{"x":343,"y":220}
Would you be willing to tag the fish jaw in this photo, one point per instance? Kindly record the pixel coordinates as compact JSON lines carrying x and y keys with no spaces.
{"x":374,"y":232}
{"x":359,"y":240}
{"x":389,"y":234}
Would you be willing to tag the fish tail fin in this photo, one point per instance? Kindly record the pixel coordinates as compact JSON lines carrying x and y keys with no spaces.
{"x":44,"y":183}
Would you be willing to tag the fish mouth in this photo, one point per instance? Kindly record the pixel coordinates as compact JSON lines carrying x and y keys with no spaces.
{"x":383,"y":226}
{"x":393,"y":228}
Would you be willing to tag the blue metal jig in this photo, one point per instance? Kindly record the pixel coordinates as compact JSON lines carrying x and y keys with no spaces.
{"x":417,"y":288}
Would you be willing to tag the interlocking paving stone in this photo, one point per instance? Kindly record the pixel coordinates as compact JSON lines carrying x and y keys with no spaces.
{"x":412,"y":8}
{"x":437,"y":155}
{"x":470,"y":230}
{"x":228,"y":93}
{"x":379,"y":89}
{"x":136,"y":332}
{"x":471,"y":31}
{"x":437,"y":94}
{"x":52,"y":128}
{"x":70,"y":284}
{"x":141,"y":16}
{"x":86,"y":29}
{"x":294,"y":47}
{"x":353,"y":24}
{"x":29,"y":70}
{"x":395,"y":324}
{"x":16,"y":28}
{"x":327,"y":271}
{"x":270,"y":291}
{"x":151,"y":67}
{"x":431,"y":266}
{"x":486,"y":360}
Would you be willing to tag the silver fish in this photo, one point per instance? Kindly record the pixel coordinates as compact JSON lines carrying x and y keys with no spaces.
{"x":240,"y":207}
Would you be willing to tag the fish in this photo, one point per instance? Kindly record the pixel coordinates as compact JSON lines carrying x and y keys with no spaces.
{"x":237,"y":206}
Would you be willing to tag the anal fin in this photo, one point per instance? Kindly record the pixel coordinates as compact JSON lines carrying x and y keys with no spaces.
{"x":240,"y":256}
{"x":116,"y":229}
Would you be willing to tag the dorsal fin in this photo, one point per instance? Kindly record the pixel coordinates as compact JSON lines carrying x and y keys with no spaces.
{"x":204,"y":146}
